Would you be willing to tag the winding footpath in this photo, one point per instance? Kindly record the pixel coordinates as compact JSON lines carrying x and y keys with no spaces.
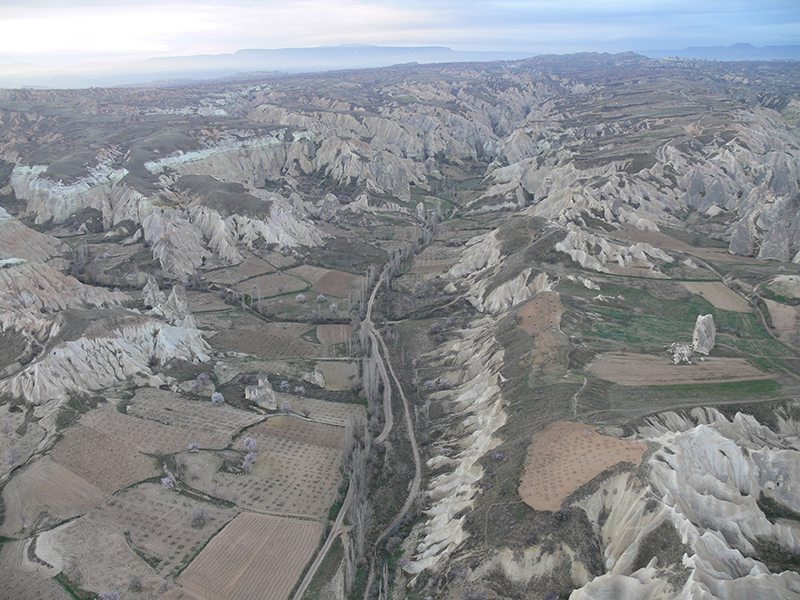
{"x":413,"y":491}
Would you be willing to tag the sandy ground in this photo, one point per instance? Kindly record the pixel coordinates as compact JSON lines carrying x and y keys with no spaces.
{"x":566,"y":455}
{"x":628,"y":368}
{"x":719,"y":294}
{"x":255,"y":556}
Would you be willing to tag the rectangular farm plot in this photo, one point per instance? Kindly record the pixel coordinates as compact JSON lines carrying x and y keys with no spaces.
{"x":275,"y":284}
{"x":332,"y":413}
{"x":336,"y":283}
{"x":628,"y":368}
{"x":330,"y":335}
{"x":102,"y":460}
{"x":338,"y":374}
{"x":254,"y":556}
{"x":271,"y":340}
{"x":45,"y":486}
{"x":718,"y":294}
{"x":308,"y":273}
{"x":296,"y":472}
{"x":208,"y":425}
{"x":146,"y":435}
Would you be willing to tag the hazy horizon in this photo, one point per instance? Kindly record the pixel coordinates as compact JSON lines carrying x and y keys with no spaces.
{"x":56,"y":37}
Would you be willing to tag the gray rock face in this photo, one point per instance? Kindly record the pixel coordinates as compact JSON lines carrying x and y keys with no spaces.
{"x":742,"y":239}
{"x":261,"y":394}
{"x":704,"y":336}
{"x":681,"y":353}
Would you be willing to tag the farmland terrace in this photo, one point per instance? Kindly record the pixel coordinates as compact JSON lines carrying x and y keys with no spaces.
{"x":414,"y":332}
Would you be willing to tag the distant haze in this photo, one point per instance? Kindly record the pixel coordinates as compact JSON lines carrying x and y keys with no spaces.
{"x":85,"y":42}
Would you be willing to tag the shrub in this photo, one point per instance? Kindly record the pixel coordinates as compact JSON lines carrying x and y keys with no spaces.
{"x":299,"y":390}
{"x":203,"y":378}
{"x":108,"y":596}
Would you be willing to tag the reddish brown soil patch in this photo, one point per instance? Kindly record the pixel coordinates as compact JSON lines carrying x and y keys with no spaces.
{"x":540,"y":317}
{"x":566,"y":455}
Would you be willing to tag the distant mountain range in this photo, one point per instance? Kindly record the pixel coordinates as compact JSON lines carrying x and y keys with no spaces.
{"x":286,"y":60}
{"x":325,"y":58}
{"x":734,"y":52}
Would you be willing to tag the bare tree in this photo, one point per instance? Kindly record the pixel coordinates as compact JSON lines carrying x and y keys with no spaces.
{"x":199,"y":518}
{"x":249,"y":461}
{"x":250,"y":444}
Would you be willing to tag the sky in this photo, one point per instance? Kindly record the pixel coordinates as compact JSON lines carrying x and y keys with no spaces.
{"x":54,"y":31}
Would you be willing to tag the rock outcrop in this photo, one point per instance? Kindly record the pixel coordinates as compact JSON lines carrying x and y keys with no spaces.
{"x":704,"y":335}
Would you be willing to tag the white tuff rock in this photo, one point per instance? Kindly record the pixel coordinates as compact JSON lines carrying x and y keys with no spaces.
{"x":704,"y":335}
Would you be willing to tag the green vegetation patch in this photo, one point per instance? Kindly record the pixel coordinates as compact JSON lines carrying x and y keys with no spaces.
{"x":722,"y":390}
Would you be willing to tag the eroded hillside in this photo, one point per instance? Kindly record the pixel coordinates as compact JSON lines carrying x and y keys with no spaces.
{"x":502,"y":330}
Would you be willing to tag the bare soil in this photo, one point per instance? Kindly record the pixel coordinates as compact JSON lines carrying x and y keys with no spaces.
{"x":540,"y":317}
{"x":628,"y":368}
{"x":45,"y":490}
{"x":719,"y":294}
{"x":566,"y":455}
{"x":255,"y":556}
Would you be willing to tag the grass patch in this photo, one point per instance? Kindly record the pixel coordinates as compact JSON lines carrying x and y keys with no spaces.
{"x":722,"y":390}
{"x":74,"y":592}
{"x":326,"y":572}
